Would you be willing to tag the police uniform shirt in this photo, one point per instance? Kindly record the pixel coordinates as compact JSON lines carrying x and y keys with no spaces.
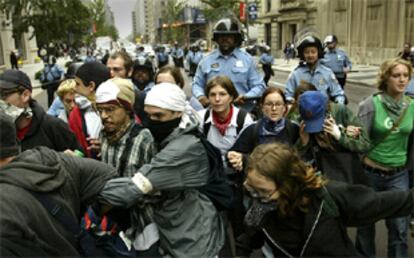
{"x":266,"y":58}
{"x":337,"y":60}
{"x":178,"y":52}
{"x":322,"y":77}
{"x":239,"y":66}
{"x":194,"y":57}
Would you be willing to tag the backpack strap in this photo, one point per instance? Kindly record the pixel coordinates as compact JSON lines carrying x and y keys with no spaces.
{"x":206,"y":126}
{"x":136,"y":128}
{"x":60,"y":212}
{"x":256,"y":133}
{"x":241,"y":116}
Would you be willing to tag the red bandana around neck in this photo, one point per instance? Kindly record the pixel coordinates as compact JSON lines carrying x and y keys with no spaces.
{"x":222,"y":124}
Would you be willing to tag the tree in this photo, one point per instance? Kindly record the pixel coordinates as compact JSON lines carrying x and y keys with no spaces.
{"x":51,"y":20}
{"x":221,"y":8}
{"x":173,"y":14}
{"x":97,"y":9}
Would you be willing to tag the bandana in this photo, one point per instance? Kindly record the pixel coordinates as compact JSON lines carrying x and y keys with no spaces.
{"x":222,"y":124}
{"x":167,"y":96}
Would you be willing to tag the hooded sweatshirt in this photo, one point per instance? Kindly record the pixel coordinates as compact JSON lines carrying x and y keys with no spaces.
{"x":73,"y":182}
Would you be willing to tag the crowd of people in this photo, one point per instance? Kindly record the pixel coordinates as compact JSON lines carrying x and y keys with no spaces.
{"x":124,"y":164}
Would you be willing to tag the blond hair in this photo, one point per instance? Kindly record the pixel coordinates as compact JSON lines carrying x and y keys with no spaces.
{"x":386,"y":70}
{"x":293,"y":178}
{"x":65,"y":87}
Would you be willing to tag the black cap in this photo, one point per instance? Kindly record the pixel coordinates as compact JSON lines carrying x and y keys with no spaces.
{"x":8,"y":138}
{"x":14,"y":78}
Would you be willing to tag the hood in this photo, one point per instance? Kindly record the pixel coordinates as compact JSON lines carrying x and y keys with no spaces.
{"x":38,"y":114}
{"x":37,"y":169}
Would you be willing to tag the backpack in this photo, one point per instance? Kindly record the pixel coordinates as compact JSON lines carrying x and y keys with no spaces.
{"x":218,"y":188}
{"x":241,"y":116}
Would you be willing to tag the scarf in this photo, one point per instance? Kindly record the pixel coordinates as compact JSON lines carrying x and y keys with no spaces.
{"x":393,"y":107}
{"x":222,"y":125}
{"x":115,"y":136}
{"x":272,"y":128}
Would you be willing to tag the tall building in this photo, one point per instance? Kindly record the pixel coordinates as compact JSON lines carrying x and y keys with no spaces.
{"x":138,"y":20}
{"x":369,"y":30}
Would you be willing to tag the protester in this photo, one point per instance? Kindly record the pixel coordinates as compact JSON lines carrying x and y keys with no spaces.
{"x":34,"y":126}
{"x":127,"y":146}
{"x":120,"y":64}
{"x":66,"y":93}
{"x":273,"y":127}
{"x":297,"y":213}
{"x":293,"y":113}
{"x":84,"y":120}
{"x":311,"y":70}
{"x":221,"y":124}
{"x":331,"y":136}
{"x":388,"y":118}
{"x":231,"y":61}
{"x":176,"y":172}
{"x":37,"y":176}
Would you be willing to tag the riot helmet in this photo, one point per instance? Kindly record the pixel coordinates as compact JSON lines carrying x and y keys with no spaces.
{"x":228,"y":26}
{"x":309,"y":41}
{"x":330,"y":39}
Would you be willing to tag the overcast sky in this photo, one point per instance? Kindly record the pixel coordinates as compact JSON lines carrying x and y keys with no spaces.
{"x":122,"y":10}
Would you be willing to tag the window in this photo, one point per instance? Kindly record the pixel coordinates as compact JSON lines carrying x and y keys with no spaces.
{"x":268,"y":5}
{"x":268,"y":33}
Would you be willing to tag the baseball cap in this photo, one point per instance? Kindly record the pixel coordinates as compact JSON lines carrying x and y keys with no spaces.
{"x":116,"y":90}
{"x":312,"y":109}
{"x":14,"y":78}
{"x":8,"y":138}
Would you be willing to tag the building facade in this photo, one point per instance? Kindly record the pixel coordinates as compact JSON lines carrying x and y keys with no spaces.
{"x":369,"y":30}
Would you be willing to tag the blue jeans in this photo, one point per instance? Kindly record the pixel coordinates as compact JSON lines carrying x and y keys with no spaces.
{"x":397,"y":227}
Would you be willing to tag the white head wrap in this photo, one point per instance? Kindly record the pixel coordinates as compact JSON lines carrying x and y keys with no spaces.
{"x":167,"y":96}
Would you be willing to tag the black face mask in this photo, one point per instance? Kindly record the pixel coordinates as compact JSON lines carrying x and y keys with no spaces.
{"x":160,"y":130}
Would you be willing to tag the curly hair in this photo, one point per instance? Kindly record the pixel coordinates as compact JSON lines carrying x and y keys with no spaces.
{"x":386,"y":70}
{"x":294,"y":179}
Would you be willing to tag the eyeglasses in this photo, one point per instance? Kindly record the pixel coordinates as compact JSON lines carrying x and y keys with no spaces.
{"x":257,"y":195}
{"x":275,"y":104}
{"x":107,"y":110}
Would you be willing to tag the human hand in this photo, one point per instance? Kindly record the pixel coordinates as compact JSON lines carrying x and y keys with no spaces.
{"x":236,"y":160}
{"x":304,"y":136}
{"x":332,"y":128}
{"x":353,"y":131}
{"x":94,"y":145}
{"x":204,"y":101}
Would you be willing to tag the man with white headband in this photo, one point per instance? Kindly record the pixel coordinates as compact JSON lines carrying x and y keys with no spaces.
{"x":188,"y":222}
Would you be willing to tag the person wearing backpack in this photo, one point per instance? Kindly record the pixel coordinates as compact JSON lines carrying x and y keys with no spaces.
{"x":43,"y":193}
{"x":273,"y":127}
{"x":127,"y":146}
{"x":50,"y":78}
{"x":296,"y":212}
{"x":221,"y":125}
{"x":388,"y":117}
{"x":188,"y":222}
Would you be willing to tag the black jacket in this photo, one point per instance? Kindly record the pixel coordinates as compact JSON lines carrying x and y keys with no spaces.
{"x":28,"y":227}
{"x":48,"y":131}
{"x":355,"y":205}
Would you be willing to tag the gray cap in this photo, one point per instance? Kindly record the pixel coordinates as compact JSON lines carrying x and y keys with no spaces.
{"x":14,"y":78}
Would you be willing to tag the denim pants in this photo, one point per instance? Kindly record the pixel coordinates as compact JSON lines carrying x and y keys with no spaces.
{"x":397,"y":227}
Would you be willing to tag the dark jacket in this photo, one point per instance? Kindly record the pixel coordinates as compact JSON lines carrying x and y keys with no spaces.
{"x":354,"y":205}
{"x":48,"y":131}
{"x":71,"y":181}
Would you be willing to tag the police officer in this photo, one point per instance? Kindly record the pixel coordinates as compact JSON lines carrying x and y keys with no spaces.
{"x":229,"y":60}
{"x":194,"y":57}
{"x":162,"y":57}
{"x":266,"y":60}
{"x":336,"y":59}
{"x":311,"y":70}
{"x":178,"y":55}
{"x":141,"y":52}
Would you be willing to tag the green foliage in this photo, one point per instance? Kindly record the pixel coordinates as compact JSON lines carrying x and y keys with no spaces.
{"x":218,"y":9}
{"x":97,"y":10}
{"x":51,"y":20}
{"x":173,"y":16}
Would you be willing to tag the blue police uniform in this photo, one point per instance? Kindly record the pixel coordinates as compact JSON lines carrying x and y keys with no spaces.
{"x":162,"y":57}
{"x":239,"y":66}
{"x":266,"y":58}
{"x":322,"y":77}
{"x":178,"y":52}
{"x":194,"y":57}
{"x":337,"y":60}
